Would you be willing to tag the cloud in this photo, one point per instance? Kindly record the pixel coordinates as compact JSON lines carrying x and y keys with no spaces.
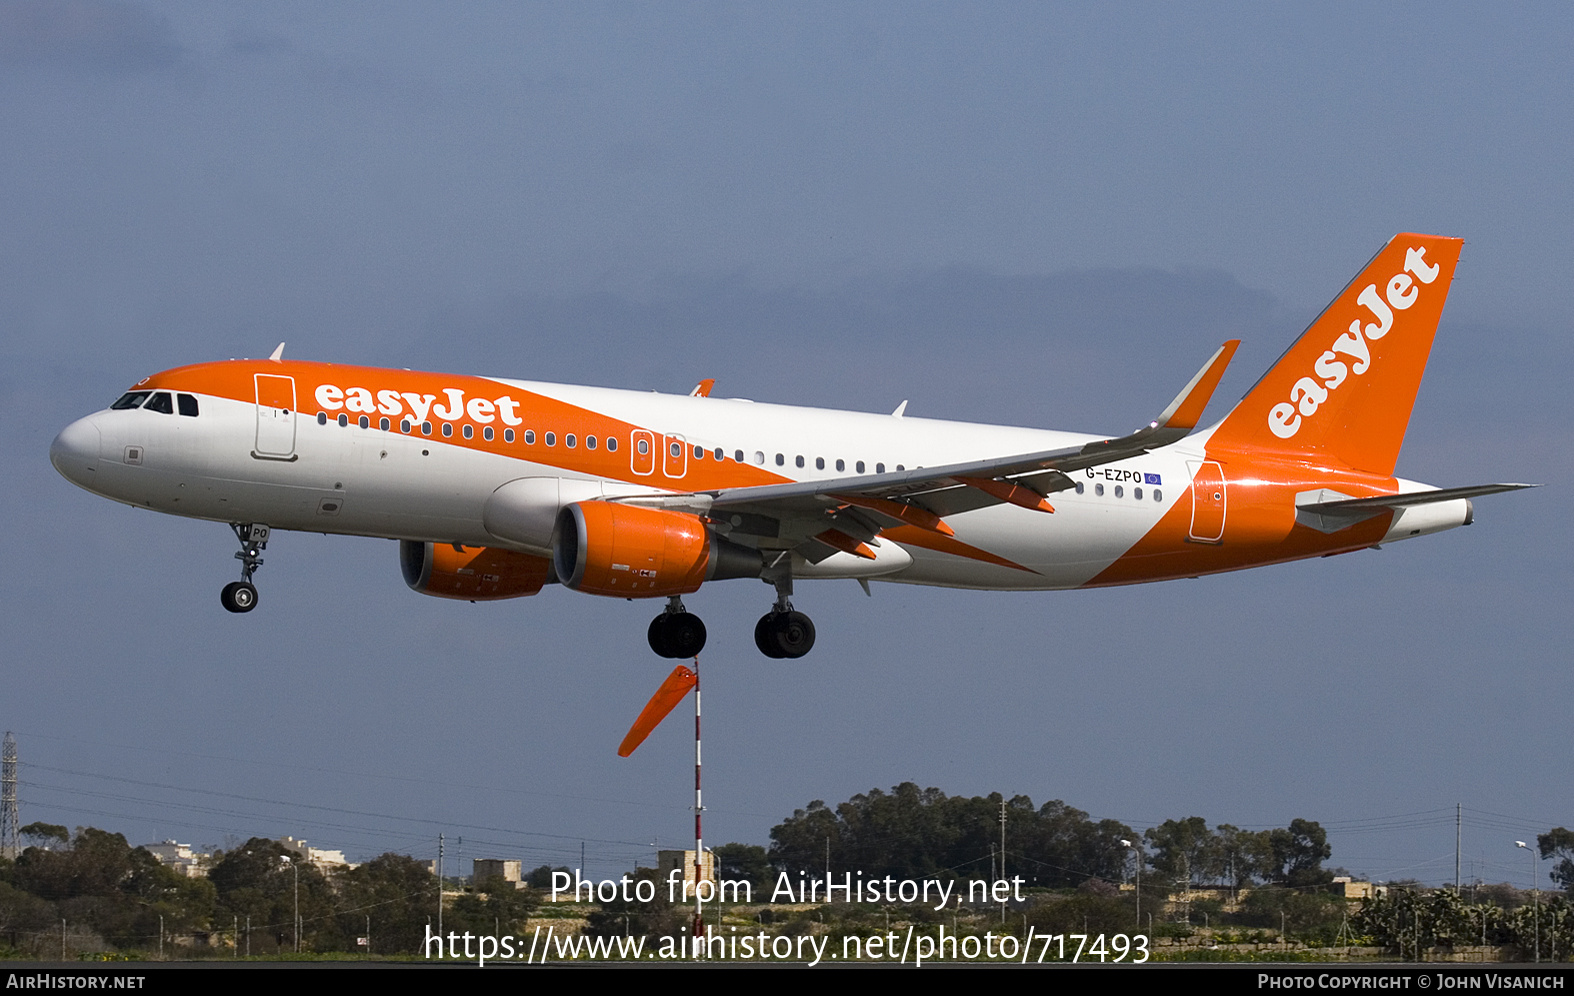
{"x":97,"y":34}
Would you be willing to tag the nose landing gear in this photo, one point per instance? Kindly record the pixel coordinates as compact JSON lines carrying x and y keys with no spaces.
{"x":241,"y":596}
{"x":677,"y":632}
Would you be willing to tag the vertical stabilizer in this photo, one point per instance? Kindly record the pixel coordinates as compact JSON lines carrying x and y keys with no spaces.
{"x":1343,"y":392}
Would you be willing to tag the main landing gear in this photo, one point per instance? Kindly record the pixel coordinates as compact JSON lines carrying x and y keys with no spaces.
{"x":782,"y":632}
{"x":677,"y":632}
{"x":241,"y":596}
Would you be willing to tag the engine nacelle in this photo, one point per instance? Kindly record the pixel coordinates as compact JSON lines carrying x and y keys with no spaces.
{"x":606,"y":548}
{"x":472,"y":573}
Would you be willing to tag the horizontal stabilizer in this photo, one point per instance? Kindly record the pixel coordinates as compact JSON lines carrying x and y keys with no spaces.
{"x":1329,"y":511}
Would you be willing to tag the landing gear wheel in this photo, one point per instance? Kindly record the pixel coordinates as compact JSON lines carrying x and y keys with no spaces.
{"x":794,"y":634}
{"x":239,"y":596}
{"x":676,"y":635}
{"x":764,"y":636}
{"x":787,"y":635}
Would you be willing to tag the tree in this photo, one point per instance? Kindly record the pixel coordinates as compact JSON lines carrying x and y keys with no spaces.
{"x":1184,"y":851}
{"x":254,"y":881}
{"x":394,"y":893}
{"x":620,"y":917}
{"x":495,"y":906}
{"x":1299,"y":853}
{"x":744,"y":863}
{"x":47,"y":835}
{"x":541,"y":876}
{"x":1558,"y":843}
{"x":1242,"y":854}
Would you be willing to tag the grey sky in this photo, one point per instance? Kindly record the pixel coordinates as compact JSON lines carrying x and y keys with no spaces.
{"x":1042,"y":215}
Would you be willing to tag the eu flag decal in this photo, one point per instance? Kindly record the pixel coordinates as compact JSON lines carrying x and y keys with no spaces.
{"x":1151,"y":479}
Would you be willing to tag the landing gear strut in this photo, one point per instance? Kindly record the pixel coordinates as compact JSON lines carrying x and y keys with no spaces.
{"x":677,"y":632}
{"x":782,"y":632}
{"x":241,"y":596}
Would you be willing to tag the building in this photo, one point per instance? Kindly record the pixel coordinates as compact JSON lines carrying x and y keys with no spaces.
{"x":666,"y":861}
{"x":180,"y":857}
{"x":508,"y":871}
{"x":323,"y":860}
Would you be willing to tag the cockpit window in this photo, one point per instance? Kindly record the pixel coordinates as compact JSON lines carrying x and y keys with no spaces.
{"x":160,"y":402}
{"x":188,"y":404}
{"x":129,"y":400}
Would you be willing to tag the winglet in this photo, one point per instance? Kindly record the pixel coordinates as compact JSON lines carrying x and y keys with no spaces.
{"x":1175,"y":422}
{"x":703,"y":388}
{"x":1186,"y":410}
{"x":664,"y":701}
{"x":277,"y":354}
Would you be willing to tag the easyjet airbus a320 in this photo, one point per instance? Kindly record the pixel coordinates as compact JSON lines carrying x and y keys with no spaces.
{"x":496,"y":487}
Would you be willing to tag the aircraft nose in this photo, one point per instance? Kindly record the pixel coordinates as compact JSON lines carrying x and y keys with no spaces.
{"x":75,"y":452}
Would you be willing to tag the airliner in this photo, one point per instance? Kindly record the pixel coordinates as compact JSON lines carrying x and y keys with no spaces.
{"x":495,"y":488}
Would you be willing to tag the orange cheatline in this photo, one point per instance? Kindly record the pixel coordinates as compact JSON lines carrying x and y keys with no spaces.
{"x":664,"y":701}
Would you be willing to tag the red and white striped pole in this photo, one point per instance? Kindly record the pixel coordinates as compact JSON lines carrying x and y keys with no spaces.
{"x":699,"y":808}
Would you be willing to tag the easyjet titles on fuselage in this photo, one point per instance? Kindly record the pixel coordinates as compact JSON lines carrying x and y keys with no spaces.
{"x":392,"y":403}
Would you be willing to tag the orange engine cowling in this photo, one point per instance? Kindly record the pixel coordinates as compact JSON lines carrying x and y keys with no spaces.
{"x":606,"y":548}
{"x":473,"y":573}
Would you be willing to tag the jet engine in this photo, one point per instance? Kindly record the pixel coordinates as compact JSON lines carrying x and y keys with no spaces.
{"x":607,"y":548}
{"x":472,"y":573}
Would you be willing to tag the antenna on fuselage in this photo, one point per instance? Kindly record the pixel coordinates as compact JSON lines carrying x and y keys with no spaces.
{"x":277,"y":354}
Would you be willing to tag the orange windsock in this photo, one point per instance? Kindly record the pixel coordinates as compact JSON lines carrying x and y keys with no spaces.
{"x":664,"y":701}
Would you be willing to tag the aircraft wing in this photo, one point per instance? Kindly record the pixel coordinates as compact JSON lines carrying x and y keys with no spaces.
{"x":844,"y":513}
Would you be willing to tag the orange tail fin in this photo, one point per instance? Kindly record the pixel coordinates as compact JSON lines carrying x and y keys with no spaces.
{"x":1343,"y":392}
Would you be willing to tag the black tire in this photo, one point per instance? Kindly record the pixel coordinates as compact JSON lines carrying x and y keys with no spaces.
{"x":239,"y":596}
{"x":765,"y":636}
{"x":685,"y":634}
{"x":794,"y":634}
{"x":659,"y":635}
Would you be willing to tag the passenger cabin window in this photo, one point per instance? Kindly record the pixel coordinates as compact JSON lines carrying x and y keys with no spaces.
{"x":161,"y":402}
{"x":129,"y":400}
{"x":612,"y":444}
{"x":188,"y":405}
{"x":590,"y":442}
